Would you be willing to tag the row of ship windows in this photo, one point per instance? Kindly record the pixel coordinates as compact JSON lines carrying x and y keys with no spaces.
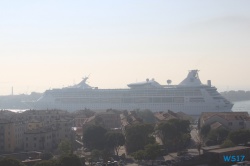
{"x":124,"y":100}
{"x":132,"y":93}
{"x":130,"y":100}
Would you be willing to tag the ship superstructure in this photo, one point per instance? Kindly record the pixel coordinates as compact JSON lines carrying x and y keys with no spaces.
{"x":190,"y":96}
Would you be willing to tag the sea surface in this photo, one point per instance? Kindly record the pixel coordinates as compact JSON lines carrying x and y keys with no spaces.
{"x":16,"y":110}
{"x":240,"y":106}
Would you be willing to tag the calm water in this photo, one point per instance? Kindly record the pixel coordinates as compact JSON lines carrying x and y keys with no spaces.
{"x":241,"y":106}
{"x":238,"y":106}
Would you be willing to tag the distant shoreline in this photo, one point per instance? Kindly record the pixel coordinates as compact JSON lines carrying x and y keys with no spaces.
{"x":236,"y":96}
{"x":240,"y":100}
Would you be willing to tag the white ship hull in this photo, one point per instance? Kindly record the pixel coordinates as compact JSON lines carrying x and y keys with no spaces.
{"x":190,"y":97}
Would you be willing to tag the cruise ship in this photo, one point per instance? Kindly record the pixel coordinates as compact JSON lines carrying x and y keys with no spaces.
{"x":190,"y":97}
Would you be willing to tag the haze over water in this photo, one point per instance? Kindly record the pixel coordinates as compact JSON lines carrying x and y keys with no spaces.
{"x":241,"y":106}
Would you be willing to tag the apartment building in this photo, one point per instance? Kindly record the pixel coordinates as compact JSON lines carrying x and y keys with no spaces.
{"x":228,"y":120}
{"x":11,"y":135}
{"x":39,"y":139}
{"x":108,"y":120}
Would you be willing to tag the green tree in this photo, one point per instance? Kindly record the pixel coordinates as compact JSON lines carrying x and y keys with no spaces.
{"x":106,"y":155}
{"x":139,"y":155}
{"x":175,"y":133}
{"x":185,"y":140}
{"x":137,"y":136}
{"x":167,"y":132}
{"x":114,"y":140}
{"x":46,"y":156}
{"x":181,"y":125}
{"x":65,"y":147}
{"x":152,"y":151}
{"x":96,"y":154}
{"x":218,"y":135}
{"x":205,"y":130}
{"x":146,"y":115}
{"x":93,"y":137}
{"x":70,"y":159}
{"x":240,"y":136}
{"x":47,"y":163}
{"x":227,"y":143}
{"x":10,"y":162}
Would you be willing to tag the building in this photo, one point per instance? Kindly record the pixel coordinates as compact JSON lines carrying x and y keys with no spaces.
{"x":34,"y":124}
{"x":11,"y":135}
{"x":227,"y":120}
{"x":166,"y":116}
{"x":34,"y":130}
{"x":108,"y":120}
{"x":129,"y":118}
{"x":39,"y":139}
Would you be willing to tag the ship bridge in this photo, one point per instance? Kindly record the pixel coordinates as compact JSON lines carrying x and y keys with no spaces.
{"x":146,"y":84}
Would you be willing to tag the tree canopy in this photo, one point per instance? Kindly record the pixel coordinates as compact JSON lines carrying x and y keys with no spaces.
{"x":65,"y":147}
{"x":174,"y":133}
{"x":68,"y":160}
{"x":205,"y":130}
{"x":217,"y":136}
{"x":227,"y":143}
{"x":93,"y":137}
{"x":10,"y":162}
{"x":47,"y":163}
{"x":150,"y":152}
{"x":137,"y":136}
{"x":46,"y":156}
{"x":146,"y":115}
{"x":240,"y":136}
{"x":114,"y":140}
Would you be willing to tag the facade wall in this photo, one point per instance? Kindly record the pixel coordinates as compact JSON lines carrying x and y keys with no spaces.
{"x":9,"y":135}
{"x":34,"y":125}
{"x":64,"y":130}
{"x":2,"y":137}
{"x":19,"y":129}
{"x":40,"y":141}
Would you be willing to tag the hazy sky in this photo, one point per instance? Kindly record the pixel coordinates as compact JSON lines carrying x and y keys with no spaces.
{"x":52,"y":44}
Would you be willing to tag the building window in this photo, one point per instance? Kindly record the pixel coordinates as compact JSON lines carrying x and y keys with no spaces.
{"x":241,"y":123}
{"x":230,"y":123}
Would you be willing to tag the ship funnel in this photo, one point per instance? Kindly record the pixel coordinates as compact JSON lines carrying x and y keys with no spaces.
{"x":169,"y":82}
{"x":209,"y":83}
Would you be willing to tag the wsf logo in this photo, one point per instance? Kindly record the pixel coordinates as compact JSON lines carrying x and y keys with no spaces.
{"x":234,"y":158}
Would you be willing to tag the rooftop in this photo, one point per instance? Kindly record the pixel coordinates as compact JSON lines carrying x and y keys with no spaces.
{"x":226,"y":115}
